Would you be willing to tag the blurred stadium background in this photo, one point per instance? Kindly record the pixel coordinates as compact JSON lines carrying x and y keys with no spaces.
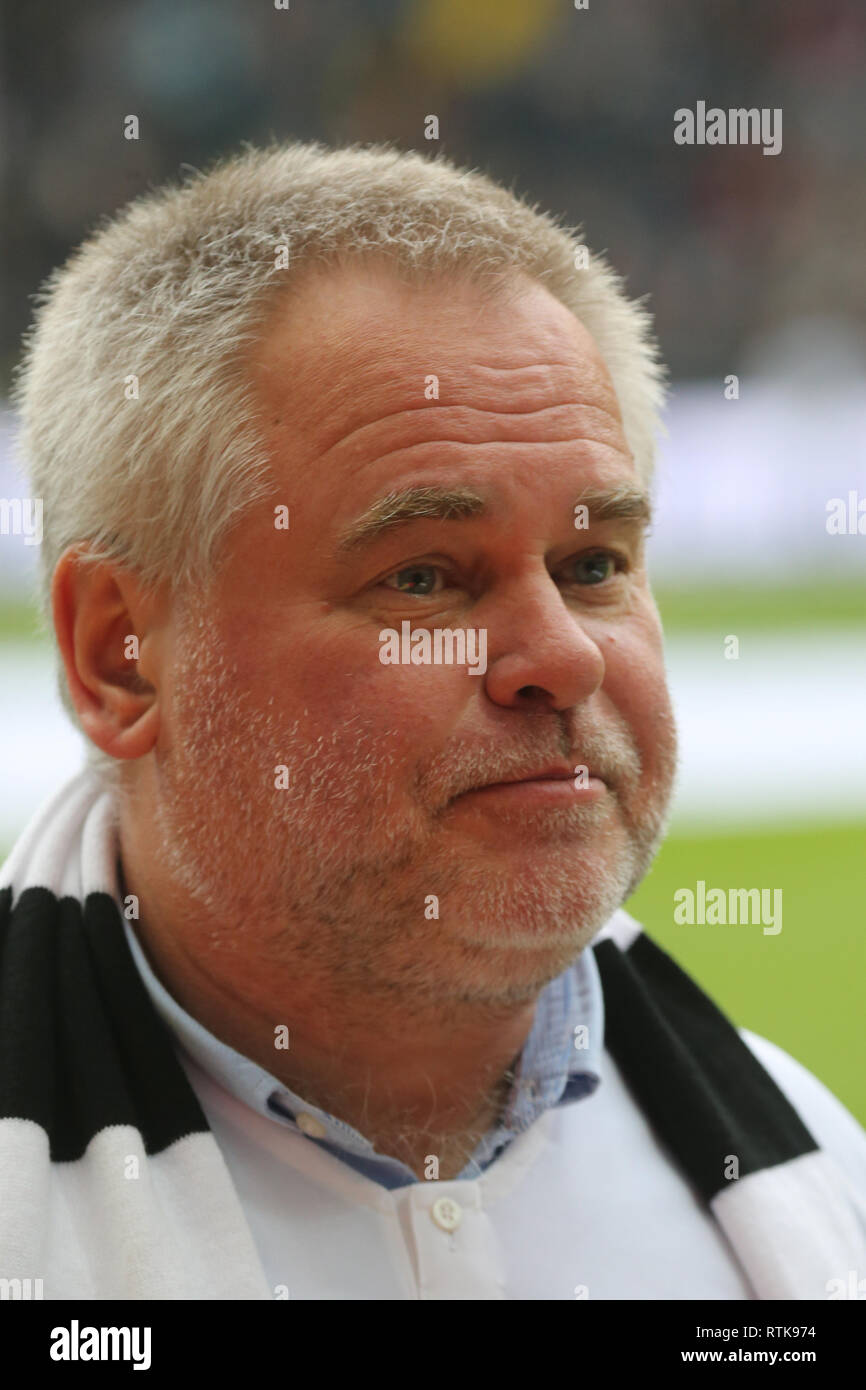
{"x":754,"y":267}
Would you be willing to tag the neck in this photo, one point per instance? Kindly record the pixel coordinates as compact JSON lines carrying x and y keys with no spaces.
{"x":420,"y":1079}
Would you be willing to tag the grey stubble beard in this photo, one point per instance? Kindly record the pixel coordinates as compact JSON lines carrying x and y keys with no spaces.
{"x":335,"y":873}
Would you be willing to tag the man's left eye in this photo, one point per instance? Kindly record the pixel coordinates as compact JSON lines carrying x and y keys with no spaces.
{"x":594,"y":569}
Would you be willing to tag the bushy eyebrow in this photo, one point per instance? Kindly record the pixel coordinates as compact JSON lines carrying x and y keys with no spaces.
{"x":410,"y":504}
{"x":623,"y":503}
{"x":398,"y":508}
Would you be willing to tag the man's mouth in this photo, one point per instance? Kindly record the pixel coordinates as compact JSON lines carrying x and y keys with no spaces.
{"x":553,"y":784}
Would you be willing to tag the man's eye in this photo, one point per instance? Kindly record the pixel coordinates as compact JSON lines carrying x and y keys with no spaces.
{"x":595,"y":569}
{"x":414,"y":575}
{"x":420,"y":580}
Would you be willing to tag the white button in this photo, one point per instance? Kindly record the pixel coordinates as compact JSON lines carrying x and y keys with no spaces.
{"x":310,"y":1125}
{"x":446,"y":1213}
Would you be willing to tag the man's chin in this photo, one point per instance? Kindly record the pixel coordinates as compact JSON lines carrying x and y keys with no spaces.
{"x":536,"y":847}
{"x":540,"y":898}
{"x":503,"y":974}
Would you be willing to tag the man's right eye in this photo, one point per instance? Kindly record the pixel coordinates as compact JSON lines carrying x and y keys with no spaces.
{"x":414,"y":575}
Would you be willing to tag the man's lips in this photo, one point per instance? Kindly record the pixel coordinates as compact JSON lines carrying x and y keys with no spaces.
{"x":554,"y":780}
{"x":542,"y":774}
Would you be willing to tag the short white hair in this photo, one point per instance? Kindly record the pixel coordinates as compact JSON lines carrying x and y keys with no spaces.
{"x":174,"y":291}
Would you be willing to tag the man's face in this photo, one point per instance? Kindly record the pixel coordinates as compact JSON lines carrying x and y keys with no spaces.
{"x":378,"y":859}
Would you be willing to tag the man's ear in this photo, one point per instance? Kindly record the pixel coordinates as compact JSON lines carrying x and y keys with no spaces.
{"x":111,"y":634}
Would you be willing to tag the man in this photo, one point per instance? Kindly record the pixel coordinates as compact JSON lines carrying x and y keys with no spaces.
{"x":326,"y":949}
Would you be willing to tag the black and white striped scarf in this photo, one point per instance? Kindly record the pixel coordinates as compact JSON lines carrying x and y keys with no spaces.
{"x":111,"y":1178}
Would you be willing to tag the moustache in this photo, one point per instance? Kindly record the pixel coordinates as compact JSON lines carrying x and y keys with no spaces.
{"x":610,"y":755}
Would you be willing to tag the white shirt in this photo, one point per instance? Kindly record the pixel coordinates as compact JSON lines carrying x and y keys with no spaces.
{"x":585,"y":1203}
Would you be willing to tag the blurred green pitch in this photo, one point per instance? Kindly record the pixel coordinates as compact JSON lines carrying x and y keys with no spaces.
{"x":803,"y":988}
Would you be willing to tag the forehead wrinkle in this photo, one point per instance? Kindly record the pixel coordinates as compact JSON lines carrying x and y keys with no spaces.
{"x":563,"y":423}
{"x":375,"y":394}
{"x":356,"y":384}
{"x":349,"y":389}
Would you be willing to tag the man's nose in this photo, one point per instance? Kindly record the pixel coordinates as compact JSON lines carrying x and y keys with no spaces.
{"x":538,"y":649}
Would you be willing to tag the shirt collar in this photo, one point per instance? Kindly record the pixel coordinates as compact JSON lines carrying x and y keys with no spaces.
{"x":559,"y":1064}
